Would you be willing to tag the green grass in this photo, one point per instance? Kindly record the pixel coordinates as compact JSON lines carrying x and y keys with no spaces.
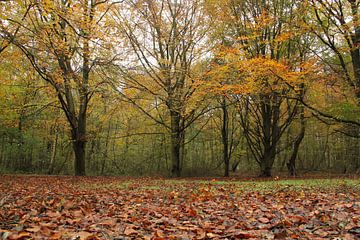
{"x":239,"y":186}
{"x":293,"y":184}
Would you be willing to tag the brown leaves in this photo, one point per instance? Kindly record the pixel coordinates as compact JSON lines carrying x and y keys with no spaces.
{"x":264,"y":220}
{"x":129,"y":230}
{"x":85,"y":208}
{"x":34,"y":229}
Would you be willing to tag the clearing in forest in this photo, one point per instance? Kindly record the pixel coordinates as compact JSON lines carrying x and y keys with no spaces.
{"x":35,"y":207}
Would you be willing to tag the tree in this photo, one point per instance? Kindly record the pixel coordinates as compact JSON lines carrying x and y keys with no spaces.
{"x":64,"y":42}
{"x":261,"y":34}
{"x":336,"y":25}
{"x":166,"y":39}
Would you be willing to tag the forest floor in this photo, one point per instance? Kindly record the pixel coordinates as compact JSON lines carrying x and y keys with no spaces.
{"x":45,"y":207}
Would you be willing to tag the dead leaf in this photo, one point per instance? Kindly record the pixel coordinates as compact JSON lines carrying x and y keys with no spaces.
{"x":264,"y":220}
{"x":33,"y":229}
{"x":129,"y":231}
{"x":20,"y":236}
{"x":84,"y":235}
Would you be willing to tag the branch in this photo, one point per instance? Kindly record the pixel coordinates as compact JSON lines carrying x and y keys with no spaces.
{"x":326,"y":115}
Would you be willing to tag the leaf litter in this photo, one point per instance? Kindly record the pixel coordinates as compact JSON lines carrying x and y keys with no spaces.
{"x":90,"y":208}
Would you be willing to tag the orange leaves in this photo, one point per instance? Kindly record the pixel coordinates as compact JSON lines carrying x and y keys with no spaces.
{"x":262,"y":21}
{"x":85,"y":236}
{"x":233,"y":72}
{"x":160,"y":209}
{"x":264,"y":220}
{"x":129,"y":230}
{"x":34,"y":229}
{"x":284,"y":37}
{"x":20,"y":235}
{"x":261,"y":58}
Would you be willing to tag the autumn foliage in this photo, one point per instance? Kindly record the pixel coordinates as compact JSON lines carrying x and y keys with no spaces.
{"x":150,"y":208}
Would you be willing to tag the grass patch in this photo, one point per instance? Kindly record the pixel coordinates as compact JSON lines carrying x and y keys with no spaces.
{"x":240,"y":186}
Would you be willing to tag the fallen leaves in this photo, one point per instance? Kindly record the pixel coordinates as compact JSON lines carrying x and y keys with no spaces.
{"x":34,"y":229}
{"x":264,"y":220}
{"x":102,"y":208}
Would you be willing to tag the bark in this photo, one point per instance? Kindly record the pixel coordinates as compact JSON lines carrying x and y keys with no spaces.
{"x":235,"y":165}
{"x":266,"y":165}
{"x":53,"y":153}
{"x":79,"y":145}
{"x":105,"y":153}
{"x":79,"y":127}
{"x":22,"y":163}
{"x":355,"y":51}
{"x":291,"y":166}
{"x":270,"y":114}
{"x":79,"y":150}
{"x":175,"y":144}
{"x":225,"y":138}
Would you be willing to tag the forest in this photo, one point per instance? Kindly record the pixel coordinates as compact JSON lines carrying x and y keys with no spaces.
{"x":179,"y":119}
{"x":179,"y":87}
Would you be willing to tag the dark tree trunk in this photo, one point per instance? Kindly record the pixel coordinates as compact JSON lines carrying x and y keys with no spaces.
{"x":79,"y":133}
{"x":79,"y":145}
{"x":79,"y":150}
{"x":291,"y":166}
{"x":225,"y":138}
{"x":270,"y":117}
{"x":266,"y":167}
{"x":267,"y":161}
{"x":355,"y":51}
{"x":175,"y":144}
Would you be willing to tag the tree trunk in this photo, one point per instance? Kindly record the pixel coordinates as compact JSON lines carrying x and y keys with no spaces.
{"x":79,"y":145}
{"x":175,"y":144}
{"x":79,"y":129}
{"x":355,"y":52}
{"x":291,"y":164}
{"x":79,"y":150}
{"x":225,"y":138}
{"x":266,"y":162}
{"x":235,"y":165}
{"x":269,"y":113}
{"x":265,"y":168}
{"x":53,"y":153}
{"x":105,"y":153}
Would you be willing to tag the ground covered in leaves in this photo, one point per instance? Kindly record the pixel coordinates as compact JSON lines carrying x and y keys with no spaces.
{"x":33,"y":207}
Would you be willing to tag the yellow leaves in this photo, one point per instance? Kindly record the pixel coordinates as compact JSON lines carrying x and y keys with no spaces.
{"x":264,"y":20}
{"x":57,"y":76}
{"x":48,"y":8}
{"x":243,"y":89}
{"x":274,"y":74}
{"x":284,"y":37}
{"x":131,"y":92}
